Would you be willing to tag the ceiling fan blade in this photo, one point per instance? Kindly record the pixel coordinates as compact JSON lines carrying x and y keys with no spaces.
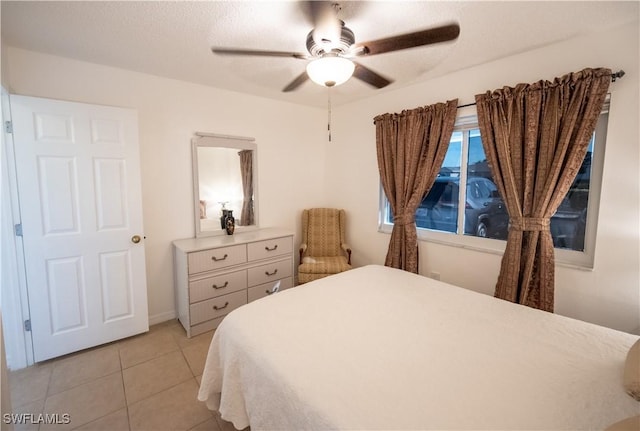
{"x":254,"y":52}
{"x":301,"y":79}
{"x":409,"y":40}
{"x":370,"y":77}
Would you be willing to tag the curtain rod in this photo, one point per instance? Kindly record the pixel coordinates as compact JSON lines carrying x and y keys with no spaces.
{"x":614,"y":76}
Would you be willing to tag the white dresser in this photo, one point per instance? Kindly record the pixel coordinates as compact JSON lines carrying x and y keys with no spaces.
{"x":215,"y":275}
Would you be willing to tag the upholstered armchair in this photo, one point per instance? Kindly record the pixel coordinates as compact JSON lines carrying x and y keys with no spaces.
{"x":323,"y":250}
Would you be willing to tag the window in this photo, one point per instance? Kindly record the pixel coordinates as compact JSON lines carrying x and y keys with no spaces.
{"x":464,"y":208}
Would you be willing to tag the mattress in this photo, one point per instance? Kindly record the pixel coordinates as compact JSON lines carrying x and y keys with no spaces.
{"x":379,"y":348}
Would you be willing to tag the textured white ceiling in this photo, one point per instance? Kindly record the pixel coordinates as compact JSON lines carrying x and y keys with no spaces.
{"x":173,"y":39}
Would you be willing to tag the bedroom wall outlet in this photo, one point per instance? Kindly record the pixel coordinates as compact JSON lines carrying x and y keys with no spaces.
{"x":435,"y":275}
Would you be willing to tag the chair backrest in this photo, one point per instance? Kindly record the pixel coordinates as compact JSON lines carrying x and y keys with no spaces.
{"x":323,"y":231}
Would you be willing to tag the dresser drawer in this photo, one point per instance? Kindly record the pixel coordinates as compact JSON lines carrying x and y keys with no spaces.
{"x":269,"y":248}
{"x":216,"y":307}
{"x":269,"y":272}
{"x":216,"y":258}
{"x":257,"y":292}
{"x":211,"y":287}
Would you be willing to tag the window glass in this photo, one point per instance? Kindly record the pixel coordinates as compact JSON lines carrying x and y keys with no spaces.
{"x":568,"y":224}
{"x":439,"y":208}
{"x":485,"y":214}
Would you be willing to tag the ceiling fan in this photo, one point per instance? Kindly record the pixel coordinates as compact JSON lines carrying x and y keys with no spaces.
{"x":332,"y":47}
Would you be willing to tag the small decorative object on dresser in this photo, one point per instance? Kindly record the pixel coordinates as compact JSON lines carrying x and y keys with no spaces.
{"x":229,"y":222}
{"x":223,"y":217}
{"x":215,"y":275}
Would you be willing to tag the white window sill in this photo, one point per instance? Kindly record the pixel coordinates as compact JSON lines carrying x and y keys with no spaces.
{"x":564,"y":258}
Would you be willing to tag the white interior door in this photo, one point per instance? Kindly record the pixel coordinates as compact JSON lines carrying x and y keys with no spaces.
{"x":78,"y":176}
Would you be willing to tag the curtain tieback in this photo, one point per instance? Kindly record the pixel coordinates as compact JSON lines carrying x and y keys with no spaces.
{"x":404,"y":219}
{"x":530,"y":223}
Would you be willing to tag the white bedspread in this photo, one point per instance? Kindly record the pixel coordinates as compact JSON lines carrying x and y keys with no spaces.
{"x":378,"y":348}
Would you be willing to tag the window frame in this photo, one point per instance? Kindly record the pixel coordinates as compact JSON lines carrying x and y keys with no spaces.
{"x":584,"y":260}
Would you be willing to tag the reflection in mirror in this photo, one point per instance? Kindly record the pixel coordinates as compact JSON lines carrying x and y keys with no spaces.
{"x":224,"y":182}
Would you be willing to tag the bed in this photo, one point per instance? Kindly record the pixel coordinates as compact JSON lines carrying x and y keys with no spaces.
{"x":378,"y":348}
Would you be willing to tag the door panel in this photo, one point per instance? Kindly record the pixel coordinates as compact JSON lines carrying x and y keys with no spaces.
{"x":110,"y":192}
{"x":67,"y":293}
{"x":78,"y":172}
{"x":59,"y":194}
{"x":116,"y":285}
{"x":51,"y":128}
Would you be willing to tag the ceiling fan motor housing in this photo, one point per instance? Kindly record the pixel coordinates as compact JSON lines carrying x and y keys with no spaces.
{"x":342,"y":46}
{"x":332,"y":55}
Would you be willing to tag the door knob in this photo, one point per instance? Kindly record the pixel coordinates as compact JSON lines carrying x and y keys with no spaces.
{"x":135,"y":239}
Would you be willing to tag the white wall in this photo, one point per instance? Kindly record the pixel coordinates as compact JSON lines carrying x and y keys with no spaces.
{"x":291,"y":142}
{"x":610,"y":294}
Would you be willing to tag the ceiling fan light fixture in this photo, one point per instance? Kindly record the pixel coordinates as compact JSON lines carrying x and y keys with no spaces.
{"x":330,"y":71}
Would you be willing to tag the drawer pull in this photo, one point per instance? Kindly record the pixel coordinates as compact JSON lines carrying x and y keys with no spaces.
{"x":215,"y":286}
{"x":275,"y":271}
{"x":275,"y":247}
{"x":215,"y":307}
{"x":216,"y":259}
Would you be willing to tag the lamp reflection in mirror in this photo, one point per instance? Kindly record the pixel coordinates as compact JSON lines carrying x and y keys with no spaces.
{"x":220,"y":186}
{"x":330,"y":71}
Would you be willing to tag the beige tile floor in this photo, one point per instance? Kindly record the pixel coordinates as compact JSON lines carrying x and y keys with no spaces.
{"x":146,"y":382}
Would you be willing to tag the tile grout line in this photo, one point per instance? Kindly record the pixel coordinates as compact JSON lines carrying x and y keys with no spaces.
{"x":47,"y":394}
{"x":211,"y":418}
{"x":116,"y":347}
{"x":165,"y":389}
{"x":56,"y":361}
{"x":106,"y":414}
{"x":124,"y":390}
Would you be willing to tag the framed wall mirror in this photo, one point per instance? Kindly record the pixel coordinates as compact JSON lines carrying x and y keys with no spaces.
{"x":225,"y":179}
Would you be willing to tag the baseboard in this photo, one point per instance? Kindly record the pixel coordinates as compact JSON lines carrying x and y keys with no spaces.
{"x":162,"y":317}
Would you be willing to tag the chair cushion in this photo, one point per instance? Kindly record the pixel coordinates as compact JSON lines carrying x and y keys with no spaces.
{"x":323,"y":232}
{"x":324,"y":265}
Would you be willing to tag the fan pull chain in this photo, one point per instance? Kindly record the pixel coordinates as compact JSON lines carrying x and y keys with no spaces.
{"x":329,"y":113}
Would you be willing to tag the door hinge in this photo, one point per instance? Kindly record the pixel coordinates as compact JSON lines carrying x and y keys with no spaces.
{"x":8,"y":127}
{"x":27,"y":325}
{"x":18,"y":229}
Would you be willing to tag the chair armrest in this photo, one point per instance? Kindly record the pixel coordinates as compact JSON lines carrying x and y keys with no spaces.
{"x":347,"y":249}
{"x":303,"y":248}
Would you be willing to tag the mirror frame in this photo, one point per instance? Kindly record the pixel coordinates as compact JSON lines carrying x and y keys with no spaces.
{"x":222,"y":141}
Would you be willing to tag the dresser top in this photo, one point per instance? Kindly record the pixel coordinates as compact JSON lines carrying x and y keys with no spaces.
{"x":195,"y":244}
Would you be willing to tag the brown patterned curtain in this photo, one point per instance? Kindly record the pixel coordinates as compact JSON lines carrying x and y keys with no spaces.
{"x":247,"y":216}
{"x":411,"y":147}
{"x":535,"y":137}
